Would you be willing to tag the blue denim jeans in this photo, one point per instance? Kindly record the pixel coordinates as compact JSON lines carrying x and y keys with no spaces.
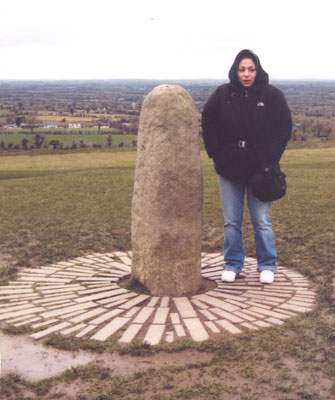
{"x":232,"y":196}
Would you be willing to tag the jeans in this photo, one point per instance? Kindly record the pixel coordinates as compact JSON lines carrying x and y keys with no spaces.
{"x":232,"y":196}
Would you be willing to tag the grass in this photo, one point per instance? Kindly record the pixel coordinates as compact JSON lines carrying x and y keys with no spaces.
{"x":58,"y":206}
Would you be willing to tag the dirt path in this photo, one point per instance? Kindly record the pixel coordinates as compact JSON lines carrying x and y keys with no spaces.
{"x":34,"y":362}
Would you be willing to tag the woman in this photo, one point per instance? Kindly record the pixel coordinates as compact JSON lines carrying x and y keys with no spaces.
{"x":246,"y":126}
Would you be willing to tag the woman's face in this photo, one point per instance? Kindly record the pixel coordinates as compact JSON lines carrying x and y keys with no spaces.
{"x":246,"y":72}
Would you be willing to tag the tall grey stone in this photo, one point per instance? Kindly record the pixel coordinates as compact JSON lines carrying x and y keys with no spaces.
{"x":167,"y":200}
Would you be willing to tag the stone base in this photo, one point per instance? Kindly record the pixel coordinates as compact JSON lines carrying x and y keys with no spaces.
{"x":82,"y":297}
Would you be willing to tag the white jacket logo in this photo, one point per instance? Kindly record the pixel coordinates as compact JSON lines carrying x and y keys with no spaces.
{"x":260,"y":104}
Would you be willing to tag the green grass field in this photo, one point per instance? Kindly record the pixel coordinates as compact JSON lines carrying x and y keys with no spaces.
{"x":59,"y":206}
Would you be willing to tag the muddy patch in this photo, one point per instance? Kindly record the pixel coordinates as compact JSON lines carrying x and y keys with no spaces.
{"x":34,"y":362}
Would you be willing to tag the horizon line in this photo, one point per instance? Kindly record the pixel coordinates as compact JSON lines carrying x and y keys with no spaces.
{"x":155,"y":79}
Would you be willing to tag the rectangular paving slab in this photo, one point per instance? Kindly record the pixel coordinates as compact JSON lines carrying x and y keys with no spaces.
{"x":85,"y":331}
{"x":107,"y":316}
{"x":88,"y":315}
{"x":143,"y":315}
{"x":154,"y":334}
{"x":161,"y":315}
{"x":112,"y":327}
{"x":216,"y":302}
{"x":53,"y":329}
{"x":27,"y":311}
{"x":130,"y":333}
{"x":102,"y":295}
{"x":184,"y":307}
{"x":64,"y":310}
{"x":196,"y":329}
{"x":228,"y":326}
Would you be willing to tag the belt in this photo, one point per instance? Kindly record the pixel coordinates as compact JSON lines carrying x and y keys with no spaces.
{"x":242,"y":144}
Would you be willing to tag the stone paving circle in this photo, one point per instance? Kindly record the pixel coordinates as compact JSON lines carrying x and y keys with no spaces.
{"x":82,"y":298}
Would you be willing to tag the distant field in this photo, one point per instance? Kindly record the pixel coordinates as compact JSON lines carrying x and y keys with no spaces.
{"x":68,"y":139}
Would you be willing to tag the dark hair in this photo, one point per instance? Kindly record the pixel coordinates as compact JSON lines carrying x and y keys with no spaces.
{"x":247,"y":54}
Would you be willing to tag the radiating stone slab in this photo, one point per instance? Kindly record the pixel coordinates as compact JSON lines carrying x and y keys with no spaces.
{"x":216,"y":302}
{"x":85,"y":331}
{"x":31,"y":310}
{"x":212,"y":326}
{"x":72,"y":329}
{"x":106,"y":317}
{"x":154,"y":334}
{"x":224,"y":314}
{"x":130,"y":333}
{"x":175,"y":318}
{"x":185,"y":307}
{"x":154,"y":300}
{"x":269,"y":313}
{"x":53,"y":329}
{"x":143,"y":315}
{"x":15,"y":308}
{"x":180,"y":331}
{"x":102,"y":295}
{"x":208,"y":315}
{"x":110,"y":328}
{"x":228,"y":326}
{"x":169,"y":336}
{"x":65,"y":310}
{"x":196,"y":329}
{"x":161,"y":315}
{"x":45,"y":323}
{"x":134,"y":302}
{"x":88,"y":315}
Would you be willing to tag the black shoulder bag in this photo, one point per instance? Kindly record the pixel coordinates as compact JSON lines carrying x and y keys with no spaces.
{"x":269,"y":184}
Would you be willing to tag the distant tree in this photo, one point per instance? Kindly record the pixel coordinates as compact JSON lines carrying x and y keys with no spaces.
{"x":19,"y":120}
{"x":328,"y":131}
{"x":109,"y":141}
{"x":11,"y":118}
{"x":54,"y":143}
{"x":318,"y":129}
{"x":322,"y":129}
{"x":38,"y":140}
{"x":24,"y":143}
{"x":32,"y":121}
{"x":72,"y":108}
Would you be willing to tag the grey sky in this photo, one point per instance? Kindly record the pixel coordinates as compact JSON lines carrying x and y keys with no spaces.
{"x":101,"y":39}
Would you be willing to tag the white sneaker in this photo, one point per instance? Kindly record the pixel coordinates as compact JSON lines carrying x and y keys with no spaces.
{"x":266,"y":276}
{"x":228,"y":276}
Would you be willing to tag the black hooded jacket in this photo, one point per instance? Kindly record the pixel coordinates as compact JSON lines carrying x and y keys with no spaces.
{"x":246,"y":129}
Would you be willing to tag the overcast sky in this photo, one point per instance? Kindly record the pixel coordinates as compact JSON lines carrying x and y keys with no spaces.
{"x":164,"y":39}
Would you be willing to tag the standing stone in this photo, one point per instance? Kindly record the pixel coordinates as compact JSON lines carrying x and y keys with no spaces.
{"x":167,"y":201}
